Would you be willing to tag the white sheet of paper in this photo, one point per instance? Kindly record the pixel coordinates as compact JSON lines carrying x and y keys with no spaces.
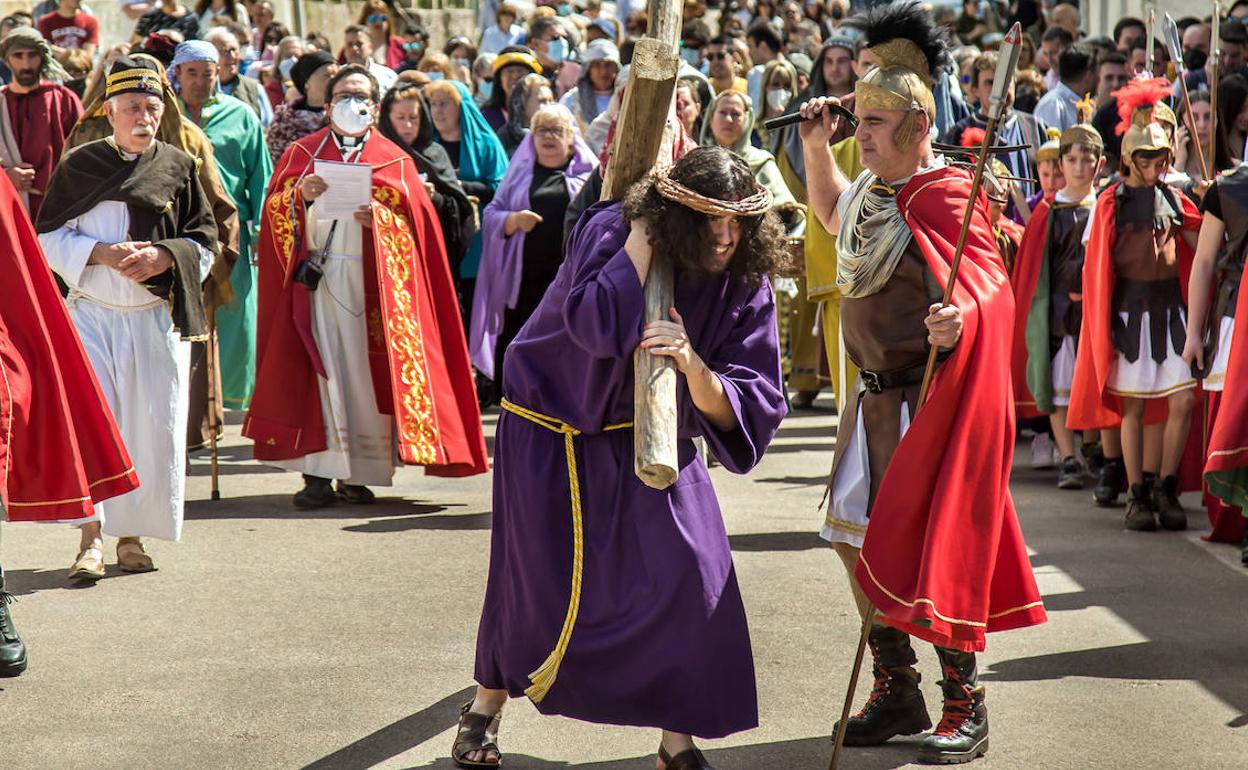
{"x":347,"y":187}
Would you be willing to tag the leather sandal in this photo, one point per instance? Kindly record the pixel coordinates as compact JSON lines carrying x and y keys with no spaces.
{"x":477,"y":732}
{"x":131,"y":556}
{"x":89,"y":566}
{"x":689,"y":759}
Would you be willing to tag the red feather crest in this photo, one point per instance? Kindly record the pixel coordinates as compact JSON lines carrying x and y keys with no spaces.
{"x":972,"y":136}
{"x":1138,"y":94}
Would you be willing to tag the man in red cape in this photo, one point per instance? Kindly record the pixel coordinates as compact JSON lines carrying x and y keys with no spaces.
{"x":920,"y":507}
{"x":1127,"y":370}
{"x":405,"y":369}
{"x":60,"y":451}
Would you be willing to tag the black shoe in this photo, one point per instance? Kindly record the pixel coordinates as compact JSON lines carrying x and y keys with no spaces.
{"x":1169,"y":510}
{"x":12,"y":650}
{"x":316,"y":493}
{"x":1113,"y":482}
{"x":962,"y":734}
{"x":1071,"y":474}
{"x":895,"y":706}
{"x":1141,"y":510}
{"x":1095,"y":458}
{"x":355,"y":494}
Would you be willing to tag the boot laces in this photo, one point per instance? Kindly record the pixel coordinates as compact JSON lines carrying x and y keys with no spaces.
{"x":878,"y":692}
{"x":958,"y":710}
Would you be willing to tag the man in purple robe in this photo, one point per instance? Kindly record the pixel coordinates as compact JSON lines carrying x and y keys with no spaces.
{"x":655,"y":632}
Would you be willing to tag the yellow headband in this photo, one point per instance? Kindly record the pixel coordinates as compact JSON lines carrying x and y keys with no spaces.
{"x":137,"y":81}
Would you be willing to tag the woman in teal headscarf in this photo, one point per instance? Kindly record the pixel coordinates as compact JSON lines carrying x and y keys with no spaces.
{"x":478,"y":157}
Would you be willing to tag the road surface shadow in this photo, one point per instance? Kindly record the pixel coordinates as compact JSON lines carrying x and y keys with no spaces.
{"x":776,"y":541}
{"x":23,"y":582}
{"x":1187,"y":605}
{"x":450,"y":522}
{"x":279,"y":507}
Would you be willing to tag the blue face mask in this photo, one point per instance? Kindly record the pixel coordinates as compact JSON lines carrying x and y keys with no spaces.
{"x":435,"y":75}
{"x":485,"y":89}
{"x":692,"y":56}
{"x":564,"y":9}
{"x":557,"y":49}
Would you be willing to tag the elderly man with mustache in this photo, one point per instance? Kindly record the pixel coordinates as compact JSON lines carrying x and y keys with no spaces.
{"x":127,"y":227}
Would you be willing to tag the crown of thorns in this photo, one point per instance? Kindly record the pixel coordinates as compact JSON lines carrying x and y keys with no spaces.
{"x":755,"y":205}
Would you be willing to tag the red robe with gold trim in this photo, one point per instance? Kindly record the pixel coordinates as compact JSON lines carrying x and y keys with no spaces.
{"x":1226,"y":469}
{"x":417,"y":353}
{"x":1026,"y":275}
{"x":60,"y":451}
{"x":943,"y":558}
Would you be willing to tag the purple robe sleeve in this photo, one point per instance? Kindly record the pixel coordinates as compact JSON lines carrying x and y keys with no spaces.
{"x":604,"y":308}
{"x":747,"y":362}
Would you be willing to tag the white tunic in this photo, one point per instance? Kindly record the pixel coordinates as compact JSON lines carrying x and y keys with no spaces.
{"x":359,"y":439}
{"x":142,"y":364}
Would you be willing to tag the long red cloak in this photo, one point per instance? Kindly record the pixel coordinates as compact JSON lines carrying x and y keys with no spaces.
{"x":1226,"y":469}
{"x":417,"y":353}
{"x":1092,"y":406}
{"x":60,"y":451}
{"x":1026,"y":274}
{"x":943,"y":558}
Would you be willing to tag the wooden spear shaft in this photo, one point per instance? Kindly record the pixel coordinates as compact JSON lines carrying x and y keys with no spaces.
{"x":1191,"y":122}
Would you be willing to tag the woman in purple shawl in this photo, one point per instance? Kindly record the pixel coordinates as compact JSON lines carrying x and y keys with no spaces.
{"x":652,"y":632}
{"x":522,"y":245}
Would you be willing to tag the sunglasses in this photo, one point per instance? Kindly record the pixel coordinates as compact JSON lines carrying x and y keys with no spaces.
{"x":377,"y":18}
{"x":551,"y":131}
{"x":415,"y":45}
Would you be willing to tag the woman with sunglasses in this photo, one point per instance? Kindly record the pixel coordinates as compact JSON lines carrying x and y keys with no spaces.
{"x":387,"y":46}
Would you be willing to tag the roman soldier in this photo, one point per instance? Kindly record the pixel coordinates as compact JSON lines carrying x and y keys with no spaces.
{"x":1213,"y":299}
{"x":906,"y":484}
{"x":1138,"y":258}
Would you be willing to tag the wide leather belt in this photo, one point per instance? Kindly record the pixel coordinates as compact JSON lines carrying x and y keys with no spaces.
{"x":878,"y":382}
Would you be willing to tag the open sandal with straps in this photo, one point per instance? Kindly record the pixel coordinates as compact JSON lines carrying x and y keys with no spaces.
{"x":689,"y":759}
{"x":477,"y":732}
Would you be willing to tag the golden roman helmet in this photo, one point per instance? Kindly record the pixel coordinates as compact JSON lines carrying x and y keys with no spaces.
{"x":1082,"y":132}
{"x":1052,"y":148}
{"x":907,"y":47}
{"x":1142,"y":115}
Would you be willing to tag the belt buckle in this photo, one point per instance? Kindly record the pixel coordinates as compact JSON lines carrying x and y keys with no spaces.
{"x":871,"y":381}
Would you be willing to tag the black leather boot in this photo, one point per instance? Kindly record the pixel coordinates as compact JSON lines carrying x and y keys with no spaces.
{"x":316,"y":493}
{"x":1141,"y":509}
{"x":962,"y":734}
{"x":895,"y":706}
{"x":1169,"y":510}
{"x":1113,"y":482}
{"x":12,"y":650}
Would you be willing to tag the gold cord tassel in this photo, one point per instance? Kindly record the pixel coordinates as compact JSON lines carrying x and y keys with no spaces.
{"x":544,"y":677}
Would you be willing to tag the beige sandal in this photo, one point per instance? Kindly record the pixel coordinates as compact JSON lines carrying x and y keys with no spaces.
{"x":132,"y":558}
{"x":89,"y":566}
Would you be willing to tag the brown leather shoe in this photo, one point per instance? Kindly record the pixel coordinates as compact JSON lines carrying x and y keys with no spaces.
{"x":689,"y":759}
{"x":131,"y":557}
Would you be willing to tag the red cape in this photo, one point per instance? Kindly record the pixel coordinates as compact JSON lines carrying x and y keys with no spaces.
{"x":1226,"y":469}
{"x":1092,"y":406}
{"x":943,"y":558}
{"x":60,"y":451}
{"x":417,"y":353}
{"x":1026,"y":273}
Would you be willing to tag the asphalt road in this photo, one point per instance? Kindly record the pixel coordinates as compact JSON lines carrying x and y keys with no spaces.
{"x":343,"y":638}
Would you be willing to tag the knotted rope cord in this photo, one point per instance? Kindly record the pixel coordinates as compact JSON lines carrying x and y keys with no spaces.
{"x":544,"y":677}
{"x":755,"y":205}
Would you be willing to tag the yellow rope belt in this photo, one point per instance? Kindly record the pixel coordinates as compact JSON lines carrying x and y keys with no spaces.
{"x":544,"y":677}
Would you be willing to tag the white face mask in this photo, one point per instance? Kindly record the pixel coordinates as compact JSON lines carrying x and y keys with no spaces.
{"x":352,"y":116}
{"x":778,"y":98}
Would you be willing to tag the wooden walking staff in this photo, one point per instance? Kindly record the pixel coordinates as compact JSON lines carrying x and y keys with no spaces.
{"x":642,"y":142}
{"x":1007,"y":63}
{"x":1174,"y":45}
{"x":210,"y":356}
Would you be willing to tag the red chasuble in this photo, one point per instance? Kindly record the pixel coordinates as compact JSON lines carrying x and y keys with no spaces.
{"x":943,"y":558}
{"x":417,"y":353}
{"x":59,"y":446}
{"x":1026,"y":274}
{"x":1226,"y":470}
{"x":1092,"y":406}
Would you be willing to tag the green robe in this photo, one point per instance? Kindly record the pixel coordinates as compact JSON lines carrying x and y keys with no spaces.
{"x":244,"y":165}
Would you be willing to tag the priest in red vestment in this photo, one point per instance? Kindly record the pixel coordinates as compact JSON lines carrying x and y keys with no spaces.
{"x":60,"y":451}
{"x":360,"y":345}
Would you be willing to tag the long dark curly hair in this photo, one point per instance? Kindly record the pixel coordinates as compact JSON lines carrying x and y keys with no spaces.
{"x":684,"y":236}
